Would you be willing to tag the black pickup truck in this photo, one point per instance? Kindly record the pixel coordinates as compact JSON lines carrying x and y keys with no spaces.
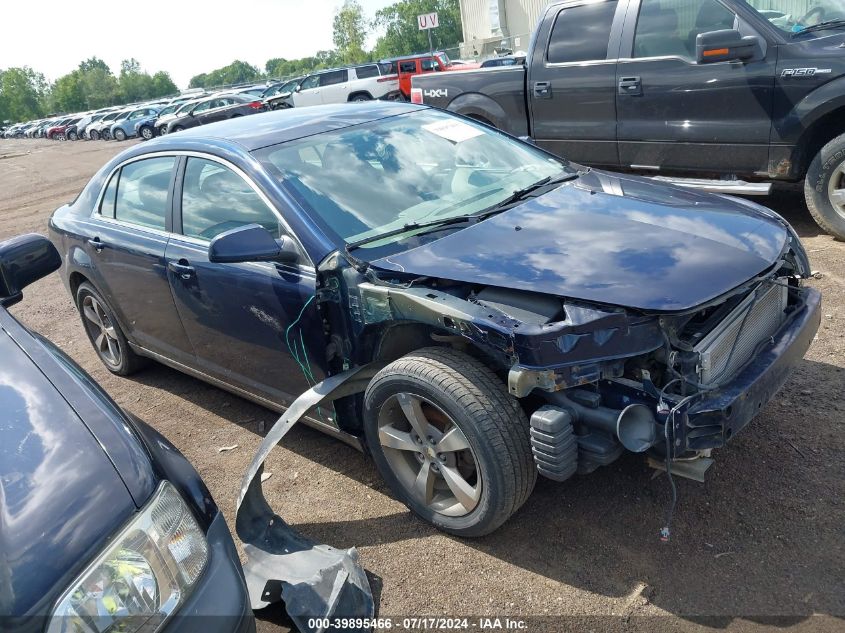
{"x":724,"y":95}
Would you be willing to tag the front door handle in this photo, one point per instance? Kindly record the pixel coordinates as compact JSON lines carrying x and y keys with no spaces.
{"x":182,"y":268}
{"x":630,"y":86}
{"x":97,"y":244}
{"x":543,"y":89}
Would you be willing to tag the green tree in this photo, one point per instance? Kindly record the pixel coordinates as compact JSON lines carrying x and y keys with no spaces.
{"x":68,"y":93}
{"x":134,"y":84}
{"x":235,"y":73}
{"x":402,"y":35}
{"x":22,"y":94}
{"x":349,"y":32}
{"x":163,"y":85}
{"x":101,"y":88}
{"x":93,"y":62}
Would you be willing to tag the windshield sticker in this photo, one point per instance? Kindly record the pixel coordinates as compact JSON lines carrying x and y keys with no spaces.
{"x":455,"y":131}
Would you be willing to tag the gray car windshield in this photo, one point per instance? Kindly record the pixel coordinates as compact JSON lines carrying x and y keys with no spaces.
{"x":795,"y":16}
{"x":404,"y":171}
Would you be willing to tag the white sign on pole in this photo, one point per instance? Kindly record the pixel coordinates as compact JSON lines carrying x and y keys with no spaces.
{"x":427,"y":21}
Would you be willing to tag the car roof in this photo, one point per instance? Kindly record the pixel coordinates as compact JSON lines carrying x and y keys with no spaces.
{"x":279,"y":126}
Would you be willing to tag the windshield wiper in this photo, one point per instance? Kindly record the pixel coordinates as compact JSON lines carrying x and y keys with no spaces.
{"x":821,"y":26}
{"x":413,"y":226}
{"x":516,"y":196}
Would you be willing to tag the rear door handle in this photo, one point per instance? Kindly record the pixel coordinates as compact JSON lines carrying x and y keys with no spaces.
{"x":543,"y":89}
{"x":97,"y":244}
{"x":182,"y":268}
{"x":630,"y":86}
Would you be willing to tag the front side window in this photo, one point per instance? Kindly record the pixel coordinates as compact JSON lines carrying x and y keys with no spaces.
{"x":215,"y":199}
{"x":796,"y":16}
{"x":334,"y":77}
{"x":581,"y":33}
{"x":142,"y":192}
{"x":310,"y":82}
{"x":670,"y":27}
{"x":202,"y":107}
{"x":370,"y":179}
{"x":429,"y":65}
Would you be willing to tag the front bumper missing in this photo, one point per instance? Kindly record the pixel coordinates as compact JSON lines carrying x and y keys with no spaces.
{"x":313,"y":580}
{"x":712,"y":421}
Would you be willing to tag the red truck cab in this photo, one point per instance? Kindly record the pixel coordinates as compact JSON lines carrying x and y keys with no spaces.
{"x":410,"y":65}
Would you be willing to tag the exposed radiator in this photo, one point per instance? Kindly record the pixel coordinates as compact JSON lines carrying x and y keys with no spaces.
{"x":767,"y":313}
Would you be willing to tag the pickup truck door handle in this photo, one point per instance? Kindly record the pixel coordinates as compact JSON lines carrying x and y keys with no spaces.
{"x":630,"y":86}
{"x":543,"y":89}
{"x":182,"y":268}
{"x":96,"y":244}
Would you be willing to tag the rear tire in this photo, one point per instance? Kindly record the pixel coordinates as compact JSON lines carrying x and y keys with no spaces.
{"x":824,"y":188}
{"x":360,"y":97}
{"x":105,"y":334}
{"x":459,"y":397}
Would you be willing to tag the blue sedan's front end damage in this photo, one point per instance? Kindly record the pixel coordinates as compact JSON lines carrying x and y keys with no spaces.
{"x":715,"y":419}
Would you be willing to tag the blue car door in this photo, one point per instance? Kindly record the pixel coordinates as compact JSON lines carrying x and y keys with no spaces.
{"x":128,"y":235}
{"x":253,"y":326}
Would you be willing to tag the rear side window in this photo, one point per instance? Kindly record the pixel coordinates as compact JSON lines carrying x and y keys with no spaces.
{"x":216,"y":199}
{"x":387,"y":68}
{"x":407,"y":67}
{"x":365,"y":72}
{"x":142,"y":192}
{"x":581,"y":33}
{"x":334,"y":77}
{"x":107,"y":203}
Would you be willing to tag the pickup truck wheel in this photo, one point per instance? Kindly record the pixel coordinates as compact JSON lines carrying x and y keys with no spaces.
{"x":449,"y":441}
{"x":105,"y":334}
{"x":824,"y":188}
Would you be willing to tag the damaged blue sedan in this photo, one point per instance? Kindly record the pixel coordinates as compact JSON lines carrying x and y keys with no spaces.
{"x":529,"y":315}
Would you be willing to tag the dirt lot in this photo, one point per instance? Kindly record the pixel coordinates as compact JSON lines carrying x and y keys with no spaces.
{"x":761,"y":545}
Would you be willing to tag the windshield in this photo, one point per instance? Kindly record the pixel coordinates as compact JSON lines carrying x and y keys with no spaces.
{"x":794,"y":16}
{"x":371,"y":179}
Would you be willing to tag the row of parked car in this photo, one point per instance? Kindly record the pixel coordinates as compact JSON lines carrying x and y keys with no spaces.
{"x":389,"y":79}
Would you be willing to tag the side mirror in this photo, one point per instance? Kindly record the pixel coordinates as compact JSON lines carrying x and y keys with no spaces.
{"x":24,"y":260}
{"x":251,"y":243}
{"x":725,"y":45}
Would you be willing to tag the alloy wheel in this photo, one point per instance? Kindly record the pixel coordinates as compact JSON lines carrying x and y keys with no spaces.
{"x":146,"y":133}
{"x":429,"y":454}
{"x":836,"y":189}
{"x":101,"y":330}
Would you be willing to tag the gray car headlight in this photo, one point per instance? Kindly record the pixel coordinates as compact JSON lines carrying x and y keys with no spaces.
{"x":142,"y":577}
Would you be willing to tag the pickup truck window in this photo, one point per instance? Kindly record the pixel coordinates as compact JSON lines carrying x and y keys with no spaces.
{"x":581,"y":33}
{"x":794,"y":17}
{"x":669,"y":27}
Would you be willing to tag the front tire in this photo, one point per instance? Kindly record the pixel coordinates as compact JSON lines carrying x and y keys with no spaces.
{"x":824,"y":188}
{"x":449,"y":440}
{"x":119,"y":135}
{"x":176,"y":128}
{"x":72,"y":136}
{"x":93,"y":135}
{"x":105,"y":334}
{"x":146,"y":133}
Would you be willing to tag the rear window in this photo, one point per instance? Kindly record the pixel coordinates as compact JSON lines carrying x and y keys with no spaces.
{"x":581,"y":33}
{"x":365,"y":72}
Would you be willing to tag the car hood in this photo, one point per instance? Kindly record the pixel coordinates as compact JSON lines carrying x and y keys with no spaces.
{"x":612,"y":239}
{"x":60,"y":496}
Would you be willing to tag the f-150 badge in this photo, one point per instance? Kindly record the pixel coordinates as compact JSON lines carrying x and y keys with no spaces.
{"x":804,"y":72}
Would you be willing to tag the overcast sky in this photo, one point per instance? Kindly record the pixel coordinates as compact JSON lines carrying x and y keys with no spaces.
{"x":183,"y":37}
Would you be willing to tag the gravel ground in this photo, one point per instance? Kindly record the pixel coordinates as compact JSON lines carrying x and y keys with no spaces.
{"x":758,"y":546}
